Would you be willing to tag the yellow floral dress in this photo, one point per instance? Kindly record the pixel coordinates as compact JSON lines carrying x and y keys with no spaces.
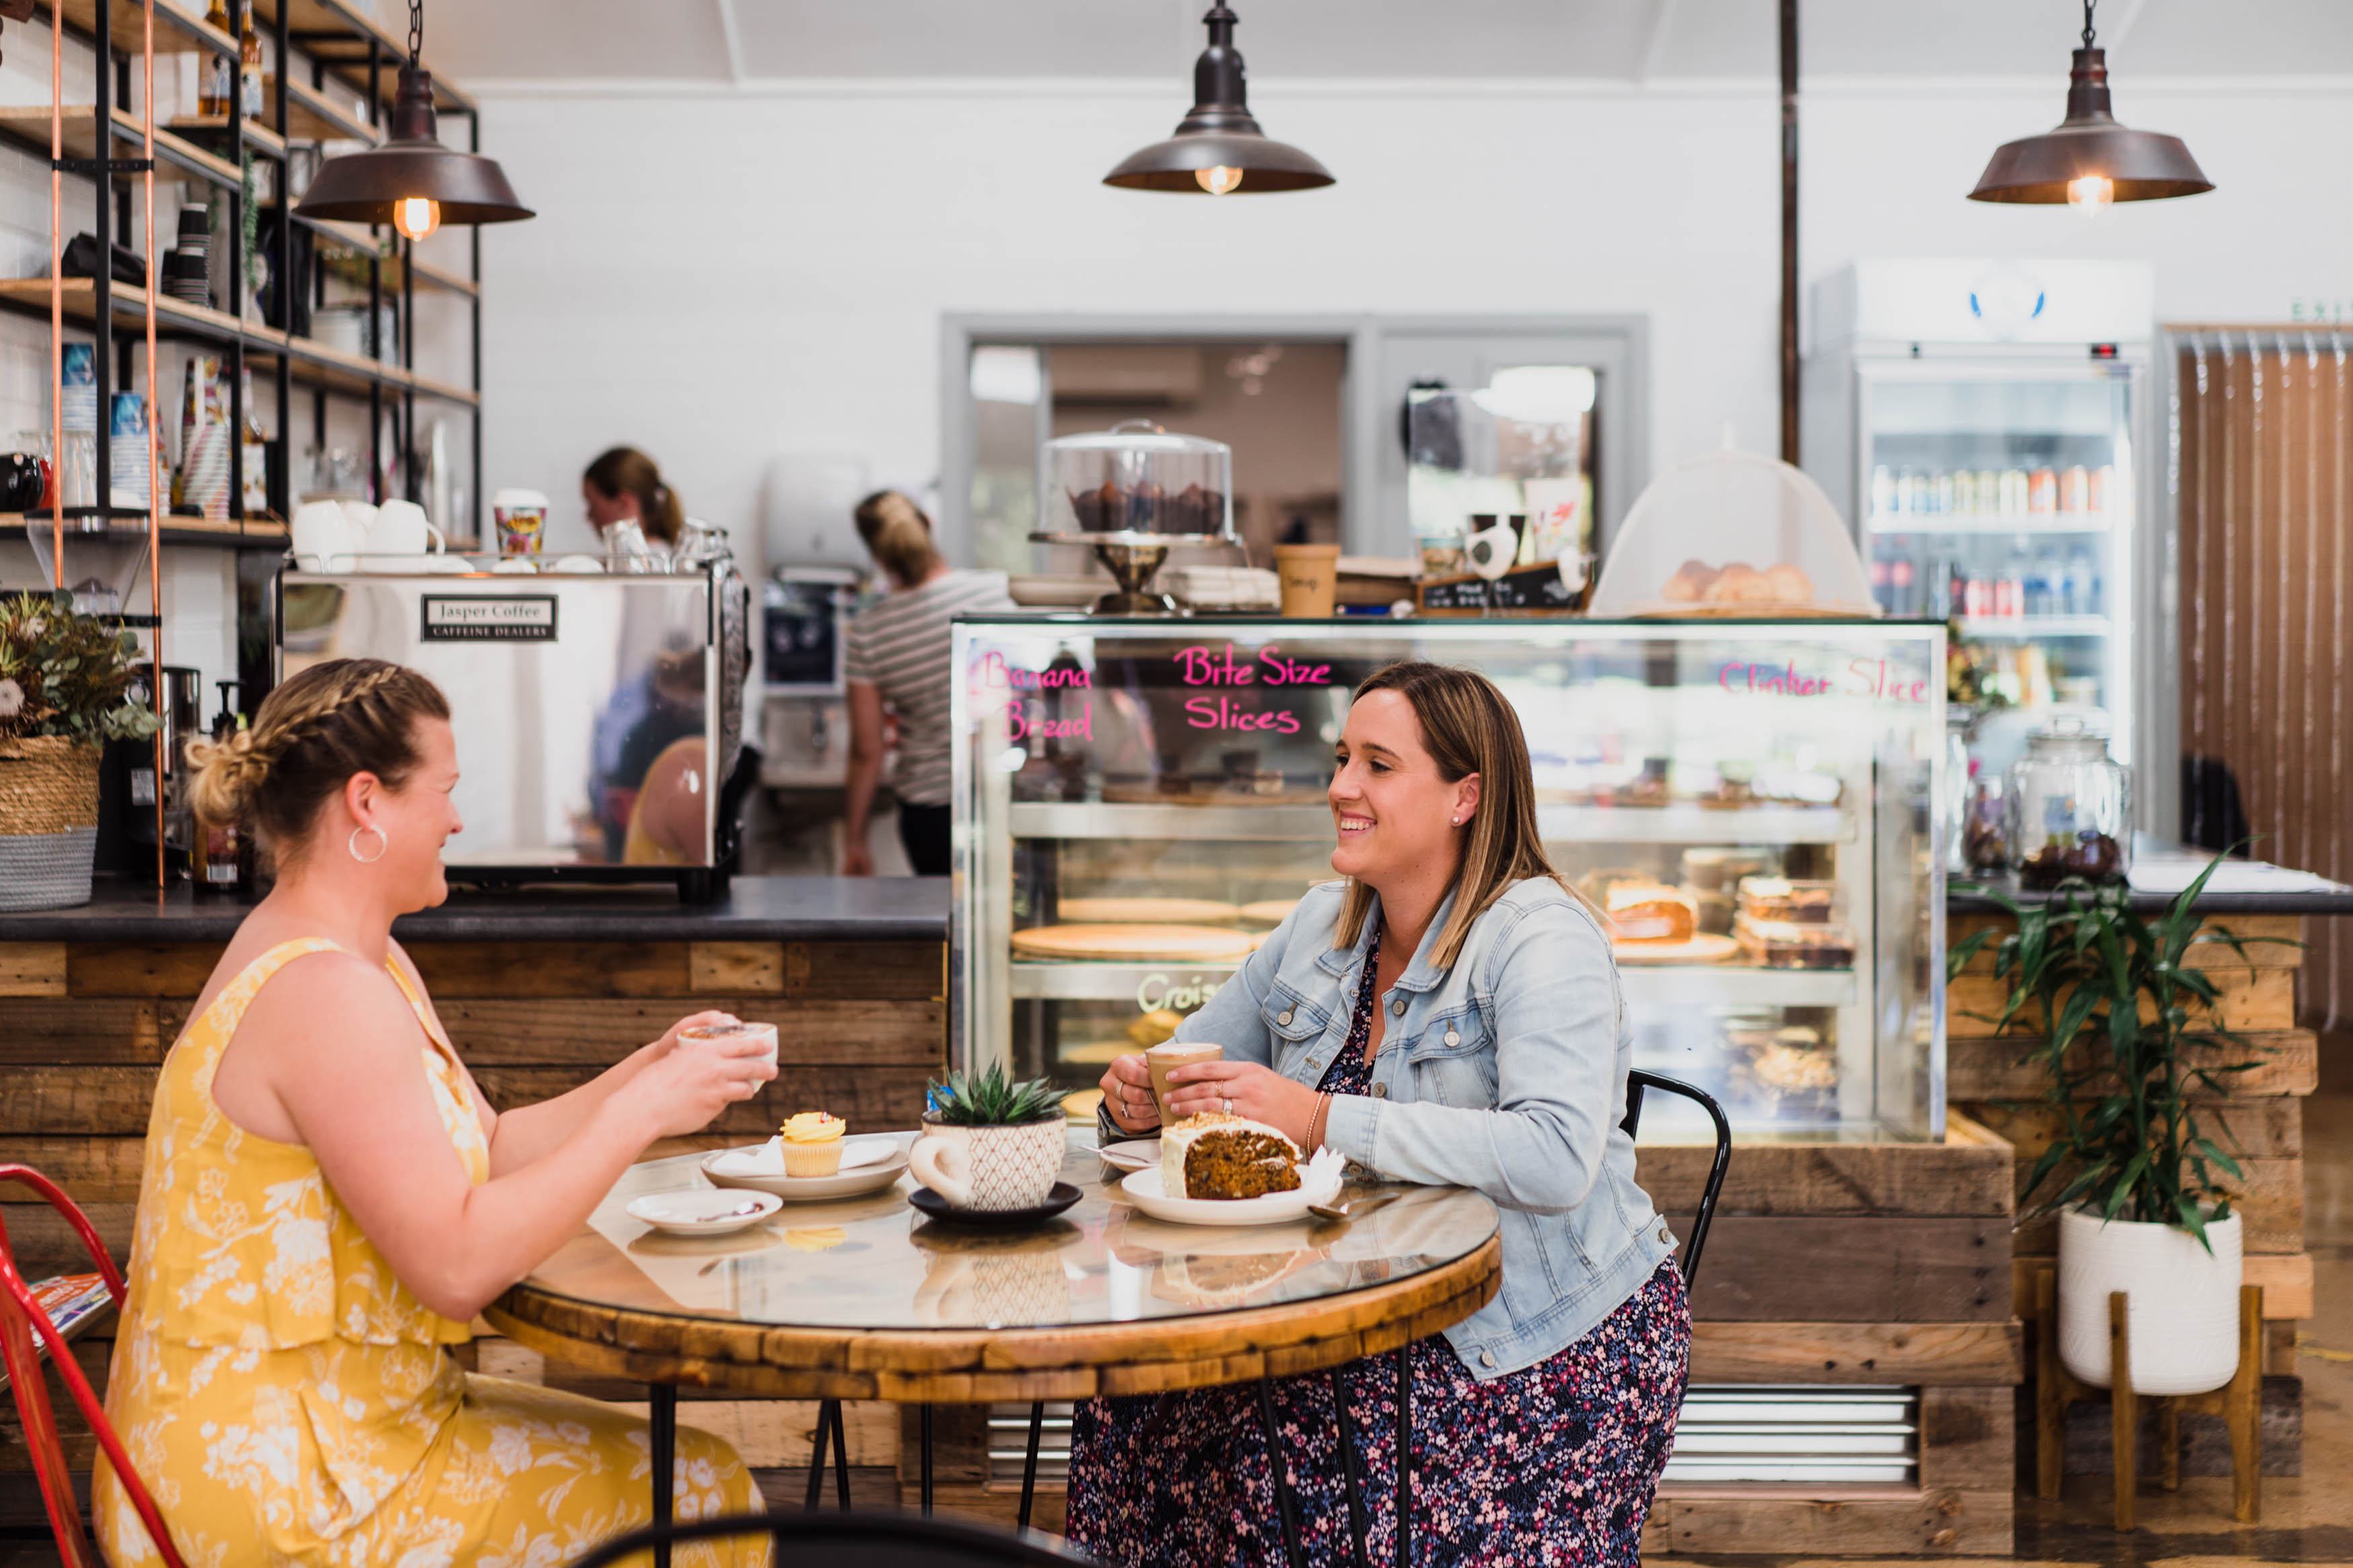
{"x":288,"y":1401}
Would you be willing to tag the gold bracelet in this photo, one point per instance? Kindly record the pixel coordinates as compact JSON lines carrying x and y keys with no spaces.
{"x":1316,"y":1122}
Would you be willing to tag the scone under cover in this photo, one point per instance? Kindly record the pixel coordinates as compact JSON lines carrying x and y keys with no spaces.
{"x":1214,"y":1155}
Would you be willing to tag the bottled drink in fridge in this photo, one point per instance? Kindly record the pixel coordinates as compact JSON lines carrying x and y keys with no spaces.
{"x":1940,"y":602}
{"x":1988,"y":491}
{"x":2067,"y":589}
{"x":2086,"y":571}
{"x":2075,"y":490}
{"x":2010,"y":589}
{"x":1901,"y":588}
{"x":1941,"y":497}
{"x":1883,"y":490}
{"x":2042,"y":491}
{"x":1881,"y":576}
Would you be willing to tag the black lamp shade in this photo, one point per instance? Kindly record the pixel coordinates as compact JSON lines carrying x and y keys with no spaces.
{"x":363,"y":187}
{"x":2141,"y":166}
{"x":1219,"y":133}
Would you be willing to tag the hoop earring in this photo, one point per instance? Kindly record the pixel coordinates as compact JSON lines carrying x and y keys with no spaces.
{"x":382,"y":843}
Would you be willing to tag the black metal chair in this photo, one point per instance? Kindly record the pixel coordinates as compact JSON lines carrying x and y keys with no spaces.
{"x":1637,"y":1082}
{"x":848,"y":1540}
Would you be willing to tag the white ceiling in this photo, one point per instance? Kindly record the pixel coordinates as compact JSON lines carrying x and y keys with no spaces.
{"x":1628,"y":40}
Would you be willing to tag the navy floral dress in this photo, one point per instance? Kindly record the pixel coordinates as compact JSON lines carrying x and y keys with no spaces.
{"x":1554,"y":1464}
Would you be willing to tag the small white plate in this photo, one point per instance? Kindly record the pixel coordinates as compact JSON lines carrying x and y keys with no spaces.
{"x":1134,"y":1154}
{"x":703,"y":1211}
{"x":516,"y":564}
{"x":586,"y":565}
{"x":1142,"y":1189}
{"x":868,"y":1165}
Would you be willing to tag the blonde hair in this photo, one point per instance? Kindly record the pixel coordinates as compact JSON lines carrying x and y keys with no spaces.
{"x":1467,"y":727}
{"x":899,"y":536}
{"x":625,"y":468}
{"x":333,"y":720}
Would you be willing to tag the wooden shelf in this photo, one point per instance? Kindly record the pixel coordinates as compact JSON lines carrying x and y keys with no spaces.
{"x":313,"y":116}
{"x":258,"y":136}
{"x":178,"y":31}
{"x":339,"y":33}
{"x":313,"y":364}
{"x":252,"y":533}
{"x":355,"y":237}
{"x":30,"y":123}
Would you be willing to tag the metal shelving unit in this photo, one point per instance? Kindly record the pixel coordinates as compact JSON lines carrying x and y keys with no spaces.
{"x":85,"y":139}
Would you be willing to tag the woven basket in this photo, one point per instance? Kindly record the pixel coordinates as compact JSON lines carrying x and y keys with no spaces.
{"x":49,"y":822}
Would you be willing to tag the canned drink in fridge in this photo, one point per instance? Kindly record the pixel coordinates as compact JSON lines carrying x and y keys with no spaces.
{"x":2075,"y":490}
{"x":2042,"y":491}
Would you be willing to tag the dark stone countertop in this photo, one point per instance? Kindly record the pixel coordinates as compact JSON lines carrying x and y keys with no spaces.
{"x":756,"y":908}
{"x":1961,"y":901}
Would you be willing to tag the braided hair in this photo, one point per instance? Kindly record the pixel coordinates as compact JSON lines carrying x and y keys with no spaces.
{"x":333,"y":720}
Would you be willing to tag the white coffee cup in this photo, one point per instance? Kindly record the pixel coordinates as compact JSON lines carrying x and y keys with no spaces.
{"x":320,"y":536}
{"x":990,"y":1169}
{"x":765,"y":1034}
{"x":401,"y":529}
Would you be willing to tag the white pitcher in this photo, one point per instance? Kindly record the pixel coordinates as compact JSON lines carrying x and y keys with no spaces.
{"x":322,"y":537}
{"x":401,"y":529}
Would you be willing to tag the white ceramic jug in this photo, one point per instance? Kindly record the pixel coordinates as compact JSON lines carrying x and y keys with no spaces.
{"x":322,"y":537}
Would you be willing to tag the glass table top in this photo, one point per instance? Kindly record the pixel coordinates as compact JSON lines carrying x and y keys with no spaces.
{"x":876,"y":1263}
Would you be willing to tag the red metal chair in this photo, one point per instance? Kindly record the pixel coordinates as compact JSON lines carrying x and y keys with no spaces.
{"x":26,"y":1332}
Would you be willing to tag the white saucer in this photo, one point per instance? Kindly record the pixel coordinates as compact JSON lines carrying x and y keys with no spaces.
{"x":869,"y":1165}
{"x":1134,"y":1155}
{"x":702,"y":1211}
{"x":1142,"y":1189}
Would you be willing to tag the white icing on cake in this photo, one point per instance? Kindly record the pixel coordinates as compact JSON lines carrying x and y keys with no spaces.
{"x":1178,"y":1140}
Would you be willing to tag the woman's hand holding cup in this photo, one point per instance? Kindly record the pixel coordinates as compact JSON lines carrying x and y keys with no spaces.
{"x":701,"y":1074}
{"x":1128,"y":1095}
{"x":1247,"y":1089}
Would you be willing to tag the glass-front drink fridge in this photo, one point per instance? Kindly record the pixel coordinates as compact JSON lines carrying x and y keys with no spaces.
{"x":1983,"y":425}
{"x":1759,"y":806}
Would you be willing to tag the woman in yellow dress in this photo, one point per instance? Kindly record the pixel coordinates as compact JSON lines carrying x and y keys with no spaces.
{"x":328,"y":1201}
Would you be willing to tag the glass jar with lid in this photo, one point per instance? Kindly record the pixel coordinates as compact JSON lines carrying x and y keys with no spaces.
{"x":2070,"y":809}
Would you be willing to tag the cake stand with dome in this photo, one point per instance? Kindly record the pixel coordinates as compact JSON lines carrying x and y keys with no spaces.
{"x":1133,"y":493}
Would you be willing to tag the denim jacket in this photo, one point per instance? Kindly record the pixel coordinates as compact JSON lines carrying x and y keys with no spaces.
{"x":1505,"y":1072}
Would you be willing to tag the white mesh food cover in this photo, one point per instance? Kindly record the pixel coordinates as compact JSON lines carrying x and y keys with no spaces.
{"x":1733,"y":533}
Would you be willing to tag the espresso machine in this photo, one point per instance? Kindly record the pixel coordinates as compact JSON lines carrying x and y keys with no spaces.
{"x":599,"y":718}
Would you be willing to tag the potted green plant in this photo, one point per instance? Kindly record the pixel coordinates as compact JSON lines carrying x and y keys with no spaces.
{"x":67,"y":686}
{"x":2137,"y":1185}
{"x":989,"y":1143}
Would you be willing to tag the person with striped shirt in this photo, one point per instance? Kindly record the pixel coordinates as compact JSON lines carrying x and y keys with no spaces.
{"x":897,"y":657}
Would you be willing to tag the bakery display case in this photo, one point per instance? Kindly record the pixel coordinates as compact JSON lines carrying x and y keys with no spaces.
{"x":1757,"y":806}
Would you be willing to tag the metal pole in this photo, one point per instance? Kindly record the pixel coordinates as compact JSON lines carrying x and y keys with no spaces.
{"x":102,"y":283}
{"x":58,"y":308}
{"x":1789,"y":374}
{"x":156,"y":496}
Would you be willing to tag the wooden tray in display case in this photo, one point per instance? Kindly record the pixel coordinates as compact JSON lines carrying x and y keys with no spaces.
{"x":1701,"y":949}
{"x":1147,"y":911}
{"x":1115,"y":941}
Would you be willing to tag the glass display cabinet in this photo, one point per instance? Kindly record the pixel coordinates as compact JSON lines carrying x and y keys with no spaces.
{"x":1759,"y":805}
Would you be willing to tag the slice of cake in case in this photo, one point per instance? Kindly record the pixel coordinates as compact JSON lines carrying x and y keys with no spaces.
{"x":1214,"y":1155}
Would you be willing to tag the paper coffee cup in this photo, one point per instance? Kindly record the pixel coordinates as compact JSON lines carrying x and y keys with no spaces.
{"x":1310,"y":576}
{"x":522,"y":520}
{"x":1169,"y":1055}
{"x":764,"y":1033}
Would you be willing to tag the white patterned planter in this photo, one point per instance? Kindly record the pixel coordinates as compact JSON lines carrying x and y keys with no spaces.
{"x":2184,"y":1313}
{"x":990,"y":1169}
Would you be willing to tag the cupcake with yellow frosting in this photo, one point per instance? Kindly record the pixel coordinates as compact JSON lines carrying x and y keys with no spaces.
{"x":812,"y":1144}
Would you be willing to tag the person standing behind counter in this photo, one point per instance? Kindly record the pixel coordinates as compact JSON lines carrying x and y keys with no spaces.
{"x":897,"y":654}
{"x":624,"y":484}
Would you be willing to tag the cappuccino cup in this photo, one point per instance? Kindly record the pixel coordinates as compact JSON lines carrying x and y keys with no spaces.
{"x":764,"y":1033}
{"x":1169,"y":1055}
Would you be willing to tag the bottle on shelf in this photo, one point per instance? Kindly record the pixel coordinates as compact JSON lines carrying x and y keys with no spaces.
{"x":2015,"y":489}
{"x":1907,"y":491}
{"x":1965,"y":491}
{"x":1883,"y":490}
{"x":1943,"y":495}
{"x":2010,"y":589}
{"x":1901,"y":588}
{"x":249,"y":52}
{"x":1941,"y":601}
{"x":1988,"y":491}
{"x":2085,"y":569}
{"x":212,"y":84}
{"x":216,"y":857}
{"x":1881,"y":583}
{"x":2042,"y":492}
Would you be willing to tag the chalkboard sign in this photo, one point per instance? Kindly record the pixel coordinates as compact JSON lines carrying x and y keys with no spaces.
{"x":1530,"y":590}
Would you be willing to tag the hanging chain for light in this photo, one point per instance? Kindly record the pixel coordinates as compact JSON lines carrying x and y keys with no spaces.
{"x":2087,"y":22}
{"x":417,"y":29}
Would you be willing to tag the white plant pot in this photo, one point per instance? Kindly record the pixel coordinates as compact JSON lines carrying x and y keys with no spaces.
{"x":2184,"y":1314}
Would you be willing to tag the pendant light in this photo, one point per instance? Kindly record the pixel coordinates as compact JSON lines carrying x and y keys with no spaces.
{"x":412,"y":181}
{"x":1218,"y":149}
{"x":2089,"y":160}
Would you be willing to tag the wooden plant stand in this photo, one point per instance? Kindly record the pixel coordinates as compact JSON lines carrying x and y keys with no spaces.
{"x":2240,"y":1403}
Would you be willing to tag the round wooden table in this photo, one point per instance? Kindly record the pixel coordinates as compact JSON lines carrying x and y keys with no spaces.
{"x":865,"y":1299}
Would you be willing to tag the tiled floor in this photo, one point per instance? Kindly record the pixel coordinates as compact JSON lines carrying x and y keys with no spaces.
{"x":2308,"y":1520}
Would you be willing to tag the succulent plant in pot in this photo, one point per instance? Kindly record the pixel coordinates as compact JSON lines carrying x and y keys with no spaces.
{"x":991,"y":1144}
{"x":2131,"y":1040}
{"x":69,"y":683}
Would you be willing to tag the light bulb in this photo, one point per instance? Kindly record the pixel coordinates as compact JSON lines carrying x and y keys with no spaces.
{"x":2091,"y":192}
{"x":415,"y":217}
{"x":1219,"y":179}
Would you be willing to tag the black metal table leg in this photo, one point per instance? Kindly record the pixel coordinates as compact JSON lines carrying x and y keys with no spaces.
{"x":1405,"y":1456}
{"x":927,"y":1458}
{"x":1279,"y":1464}
{"x":1350,"y":1467}
{"x":1030,"y":1466}
{"x":828,"y":1411}
{"x":663,"y":1421}
{"x":841,"y":1458}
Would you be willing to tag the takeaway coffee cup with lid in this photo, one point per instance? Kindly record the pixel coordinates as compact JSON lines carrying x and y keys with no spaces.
{"x":1310,"y":577}
{"x":522,"y":520}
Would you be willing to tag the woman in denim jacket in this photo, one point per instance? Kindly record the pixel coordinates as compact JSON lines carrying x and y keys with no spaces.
{"x":1448,"y":1013}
